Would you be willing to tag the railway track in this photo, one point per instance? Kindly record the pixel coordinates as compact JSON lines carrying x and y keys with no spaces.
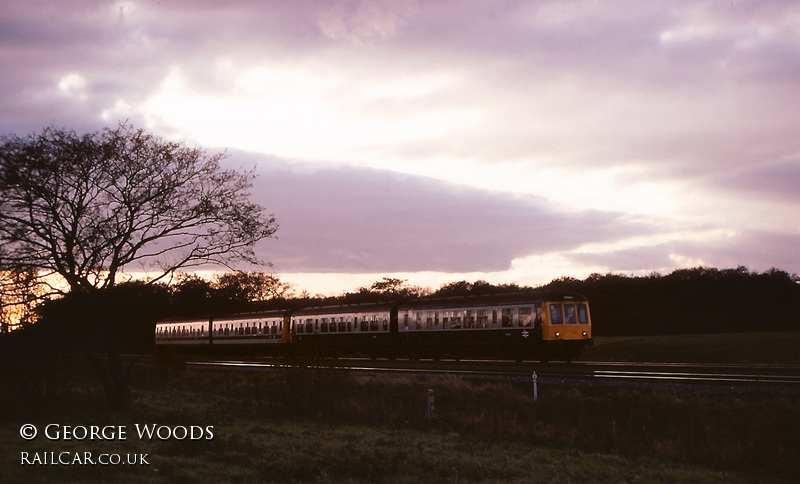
{"x":621,"y":373}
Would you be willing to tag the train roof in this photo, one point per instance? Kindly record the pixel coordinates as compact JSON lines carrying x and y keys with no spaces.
{"x":488,"y":300}
{"x":182,"y":321}
{"x":251,"y":315}
{"x":346,"y":308}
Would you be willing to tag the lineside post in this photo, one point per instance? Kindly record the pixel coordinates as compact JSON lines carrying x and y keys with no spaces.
{"x":535,"y":387}
{"x":430,"y":413}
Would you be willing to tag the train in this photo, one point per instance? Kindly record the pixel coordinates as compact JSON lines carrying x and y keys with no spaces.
{"x":540,"y":325}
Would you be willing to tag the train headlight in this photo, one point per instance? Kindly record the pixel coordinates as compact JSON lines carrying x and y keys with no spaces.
{"x":584,"y":334}
{"x":558,"y":334}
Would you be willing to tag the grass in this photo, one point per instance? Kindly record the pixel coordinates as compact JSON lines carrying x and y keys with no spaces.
{"x":321,"y":426}
{"x":247,"y":447}
{"x":768,"y":348}
{"x":309,"y":425}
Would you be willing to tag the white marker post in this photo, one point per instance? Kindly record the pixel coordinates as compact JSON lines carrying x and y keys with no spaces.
{"x":535,"y":388}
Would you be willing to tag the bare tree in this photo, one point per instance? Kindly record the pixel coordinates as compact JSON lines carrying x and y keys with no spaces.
{"x":85,"y":208}
{"x":78,"y":211}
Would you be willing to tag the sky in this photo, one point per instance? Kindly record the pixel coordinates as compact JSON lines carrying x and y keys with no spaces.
{"x":443,"y":140}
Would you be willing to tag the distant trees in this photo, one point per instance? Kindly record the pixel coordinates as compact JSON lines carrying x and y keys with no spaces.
{"x":692,"y":300}
{"x":225,"y":292}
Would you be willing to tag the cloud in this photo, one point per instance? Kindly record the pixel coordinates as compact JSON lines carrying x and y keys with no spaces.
{"x":351,"y":219}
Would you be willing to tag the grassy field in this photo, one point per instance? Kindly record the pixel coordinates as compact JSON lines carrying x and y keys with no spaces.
{"x":767,"y":348}
{"x":320,"y":426}
{"x":310,"y":425}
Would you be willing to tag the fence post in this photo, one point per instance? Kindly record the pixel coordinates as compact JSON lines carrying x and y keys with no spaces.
{"x":535,"y":388}
{"x":430,"y":414}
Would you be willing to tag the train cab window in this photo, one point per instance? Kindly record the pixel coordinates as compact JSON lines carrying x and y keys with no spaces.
{"x":508,"y":318}
{"x":556,"y":316}
{"x":524,"y":320}
{"x":569,"y":314}
{"x":583,"y":314}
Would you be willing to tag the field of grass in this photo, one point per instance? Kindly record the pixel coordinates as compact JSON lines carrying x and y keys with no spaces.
{"x":322,"y":426}
{"x":311,"y":425}
{"x":768,"y":348}
{"x":253,"y":450}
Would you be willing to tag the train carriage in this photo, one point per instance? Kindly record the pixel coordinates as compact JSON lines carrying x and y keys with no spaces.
{"x":364,"y":329}
{"x":267,"y":328}
{"x":182,"y":333}
{"x":515,"y":326}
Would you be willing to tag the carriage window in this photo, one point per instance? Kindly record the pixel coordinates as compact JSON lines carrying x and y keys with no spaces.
{"x":569,"y":313}
{"x":469,"y":319}
{"x":341,"y":324}
{"x":436,"y":320}
{"x":556,"y":317}
{"x":524,"y":317}
{"x":508,"y":318}
{"x":373,"y":324}
{"x":385,"y":324}
{"x":483,"y":318}
{"x":405,"y":322}
{"x":583,"y":314}
{"x":455,"y":320}
{"x":446,"y":320}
